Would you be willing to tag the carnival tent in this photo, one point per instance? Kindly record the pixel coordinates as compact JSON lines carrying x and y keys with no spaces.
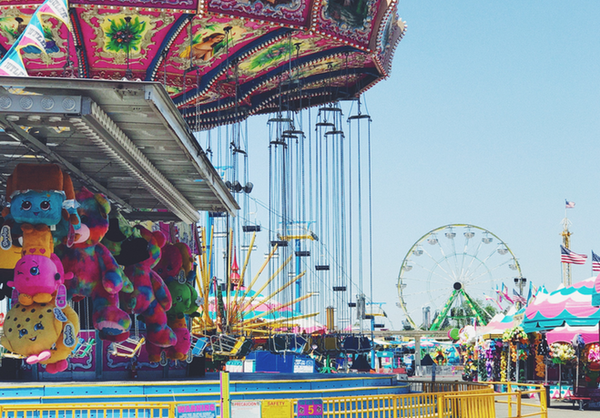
{"x":570,"y":306}
{"x":500,"y":323}
{"x":567,"y":333}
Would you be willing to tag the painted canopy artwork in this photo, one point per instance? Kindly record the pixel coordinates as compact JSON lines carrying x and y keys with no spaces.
{"x":565,"y":306}
{"x":220,"y":60}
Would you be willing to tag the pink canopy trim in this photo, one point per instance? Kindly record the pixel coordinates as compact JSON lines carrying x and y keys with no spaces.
{"x":565,"y":334}
{"x":570,"y":299}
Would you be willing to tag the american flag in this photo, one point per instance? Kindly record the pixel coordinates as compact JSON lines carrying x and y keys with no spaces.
{"x":569,"y":204}
{"x":595,"y":262}
{"x":518,"y":298}
{"x":568,"y":256}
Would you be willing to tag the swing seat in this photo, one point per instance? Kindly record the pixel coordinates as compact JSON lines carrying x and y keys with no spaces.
{"x":287,"y":343}
{"x":251,"y":228}
{"x":353,"y":344}
{"x":226,"y":345}
{"x":198,"y":346}
{"x":245,"y":348}
{"x":128,"y":348}
{"x":83,"y":347}
{"x":329,"y":344}
{"x":4,"y":353}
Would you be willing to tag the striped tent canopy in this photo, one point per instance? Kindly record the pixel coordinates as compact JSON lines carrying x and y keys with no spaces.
{"x":570,"y":306}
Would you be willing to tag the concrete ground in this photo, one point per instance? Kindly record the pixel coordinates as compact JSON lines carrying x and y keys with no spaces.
{"x":556,"y":410}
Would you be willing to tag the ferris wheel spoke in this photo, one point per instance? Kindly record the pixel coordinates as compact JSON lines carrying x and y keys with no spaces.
{"x":429,"y":270}
{"x":440,"y":296}
{"x":485,"y":260}
{"x":447,"y":259}
{"x":492,"y":270}
{"x":473,"y":270}
{"x":435,"y":261}
{"x":473,"y":258}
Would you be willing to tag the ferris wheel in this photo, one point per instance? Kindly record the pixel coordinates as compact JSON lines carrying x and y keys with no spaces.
{"x":449,"y":272}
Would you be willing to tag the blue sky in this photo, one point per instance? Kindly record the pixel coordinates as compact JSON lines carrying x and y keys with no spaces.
{"x":490,"y":117}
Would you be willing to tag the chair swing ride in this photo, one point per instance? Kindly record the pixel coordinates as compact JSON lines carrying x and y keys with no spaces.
{"x":222,"y":61}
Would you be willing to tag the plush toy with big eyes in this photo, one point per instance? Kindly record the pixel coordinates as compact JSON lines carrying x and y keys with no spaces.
{"x":37,"y":278}
{"x":37,"y":207}
{"x":40,"y":194}
{"x":96,"y":273}
{"x":151,"y":297}
{"x":42,"y":333}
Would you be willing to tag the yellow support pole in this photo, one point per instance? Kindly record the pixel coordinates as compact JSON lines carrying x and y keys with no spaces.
{"x":228,"y":280}
{"x":285,"y":305}
{"x":207,"y":257}
{"x":268,"y":282}
{"x":247,"y":258}
{"x":259,"y":273}
{"x":276,"y":321}
{"x":281,"y":289}
{"x":225,"y":399}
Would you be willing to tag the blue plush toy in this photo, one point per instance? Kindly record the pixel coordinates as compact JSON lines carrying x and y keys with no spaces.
{"x":40,"y":194}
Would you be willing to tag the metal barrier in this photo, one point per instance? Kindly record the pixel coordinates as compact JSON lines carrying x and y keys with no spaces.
{"x":465,"y":399}
{"x":471,"y":405}
{"x":444,"y":386}
{"x":99,"y":410}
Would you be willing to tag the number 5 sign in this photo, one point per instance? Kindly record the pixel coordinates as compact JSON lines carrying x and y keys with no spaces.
{"x":310,"y":408}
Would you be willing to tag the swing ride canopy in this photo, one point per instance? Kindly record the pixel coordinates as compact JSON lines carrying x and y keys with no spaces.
{"x":220,"y":60}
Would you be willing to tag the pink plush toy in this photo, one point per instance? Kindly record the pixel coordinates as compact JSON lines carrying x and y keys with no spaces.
{"x":37,"y":278}
{"x":151,"y":297}
{"x":97,"y":274}
{"x":178,"y":351}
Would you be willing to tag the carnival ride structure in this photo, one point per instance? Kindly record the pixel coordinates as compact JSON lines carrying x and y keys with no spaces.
{"x":220,"y":62}
{"x":453,"y":270}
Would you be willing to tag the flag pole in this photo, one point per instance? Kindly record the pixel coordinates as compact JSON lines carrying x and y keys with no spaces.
{"x":566,"y":234}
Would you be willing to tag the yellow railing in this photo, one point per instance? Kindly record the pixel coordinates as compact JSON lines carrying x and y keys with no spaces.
{"x":491,"y":404}
{"x":464,"y":400}
{"x":442,"y":386}
{"x":106,"y":410}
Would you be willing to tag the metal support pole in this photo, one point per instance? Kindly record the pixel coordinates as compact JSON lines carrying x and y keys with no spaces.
{"x":417,"y":355}
{"x":225,"y":399}
{"x":298,"y":284}
{"x":372,"y":342}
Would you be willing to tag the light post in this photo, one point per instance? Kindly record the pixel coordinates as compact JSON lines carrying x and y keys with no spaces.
{"x":520,"y":283}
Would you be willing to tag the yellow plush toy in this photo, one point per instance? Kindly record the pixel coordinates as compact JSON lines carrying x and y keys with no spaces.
{"x":42,"y":333}
{"x":37,"y":240}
